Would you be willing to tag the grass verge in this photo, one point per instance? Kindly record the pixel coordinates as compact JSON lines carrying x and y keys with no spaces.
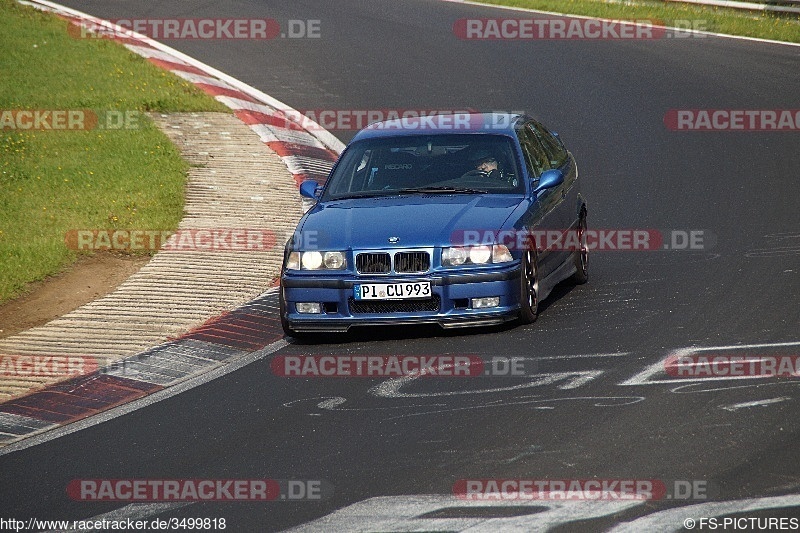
{"x":53,"y":181}
{"x":714,"y":19}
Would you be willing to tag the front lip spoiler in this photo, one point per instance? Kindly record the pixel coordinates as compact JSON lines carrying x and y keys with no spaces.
{"x":343,"y":326}
{"x":454,"y":279}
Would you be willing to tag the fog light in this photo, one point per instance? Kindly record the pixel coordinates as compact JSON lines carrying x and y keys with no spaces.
{"x":308,"y":307}
{"x":482,"y":303}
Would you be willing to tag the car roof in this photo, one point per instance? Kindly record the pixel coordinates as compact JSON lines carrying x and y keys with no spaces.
{"x":495,"y":123}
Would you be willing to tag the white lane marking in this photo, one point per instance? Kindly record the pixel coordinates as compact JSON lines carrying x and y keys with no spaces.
{"x":408,"y":513}
{"x":644,"y":377}
{"x":147,"y":400}
{"x":673,"y":519}
{"x":757,"y":403}
{"x":315,"y":129}
{"x":584,"y":17}
{"x":133,"y":511}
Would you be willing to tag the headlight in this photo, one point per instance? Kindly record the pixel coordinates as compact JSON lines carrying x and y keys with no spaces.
{"x":315,"y":260}
{"x":293,"y":261}
{"x":311,"y":260}
{"x":454,"y":256}
{"x":480,"y":254}
{"x":476,"y":255}
{"x":501,"y":254}
{"x":334,"y":260}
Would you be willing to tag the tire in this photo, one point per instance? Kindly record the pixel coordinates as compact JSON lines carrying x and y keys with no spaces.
{"x":581,"y":256}
{"x":529,"y":288}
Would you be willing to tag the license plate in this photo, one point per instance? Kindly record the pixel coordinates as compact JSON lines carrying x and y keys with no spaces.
{"x":392,"y":291}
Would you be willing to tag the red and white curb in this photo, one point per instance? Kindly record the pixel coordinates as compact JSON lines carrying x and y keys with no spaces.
{"x":220,"y":345}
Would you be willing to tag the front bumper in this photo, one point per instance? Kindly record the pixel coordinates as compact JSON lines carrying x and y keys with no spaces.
{"x":453,"y":291}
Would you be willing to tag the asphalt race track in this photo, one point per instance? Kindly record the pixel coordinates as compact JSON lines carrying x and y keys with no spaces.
{"x":600,"y":405}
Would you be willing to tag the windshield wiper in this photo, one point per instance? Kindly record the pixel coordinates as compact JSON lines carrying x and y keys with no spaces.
{"x":372,"y":194}
{"x":442,"y":190}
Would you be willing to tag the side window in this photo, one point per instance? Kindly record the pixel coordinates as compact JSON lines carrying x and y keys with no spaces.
{"x":526,"y":153}
{"x":556,"y":152}
{"x":535,"y":157}
{"x":354,"y":172}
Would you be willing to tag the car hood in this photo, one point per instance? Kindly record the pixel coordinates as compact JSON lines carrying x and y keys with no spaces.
{"x":416,"y":221}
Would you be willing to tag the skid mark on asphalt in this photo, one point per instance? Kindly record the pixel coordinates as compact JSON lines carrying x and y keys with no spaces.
{"x":777,"y":245}
{"x":696,"y":387}
{"x":560,"y":379}
{"x":757,"y":403}
{"x":335,"y":404}
{"x":332,"y":403}
{"x":472,"y":399}
{"x":536,"y":403}
{"x":572,"y":380}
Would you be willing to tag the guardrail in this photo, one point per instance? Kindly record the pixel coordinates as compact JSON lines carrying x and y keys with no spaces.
{"x":774,"y":6}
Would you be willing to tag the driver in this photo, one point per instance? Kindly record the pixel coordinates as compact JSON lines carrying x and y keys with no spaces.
{"x":485,"y":162}
{"x":488,"y":165}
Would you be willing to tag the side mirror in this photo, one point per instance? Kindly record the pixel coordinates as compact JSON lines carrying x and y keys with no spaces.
{"x":549,"y":179}
{"x":309,"y":189}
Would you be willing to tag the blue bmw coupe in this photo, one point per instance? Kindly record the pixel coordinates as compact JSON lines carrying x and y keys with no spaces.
{"x":437,"y":220}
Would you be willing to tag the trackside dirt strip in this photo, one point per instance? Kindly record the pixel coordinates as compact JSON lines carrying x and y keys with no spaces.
{"x":163,"y":324}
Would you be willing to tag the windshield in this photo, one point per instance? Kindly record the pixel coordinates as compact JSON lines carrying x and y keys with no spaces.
{"x":429,"y":164}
